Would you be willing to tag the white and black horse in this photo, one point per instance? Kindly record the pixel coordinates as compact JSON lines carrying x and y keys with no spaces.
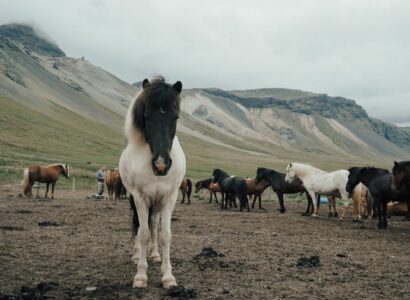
{"x":231,"y":187}
{"x":152,"y":167}
{"x":317,"y":181}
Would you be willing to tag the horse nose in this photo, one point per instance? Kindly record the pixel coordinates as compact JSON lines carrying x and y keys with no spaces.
{"x":161,"y":166}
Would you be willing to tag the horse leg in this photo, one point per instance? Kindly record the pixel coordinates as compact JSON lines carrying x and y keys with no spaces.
{"x":384,"y":207}
{"x":407,"y":218}
{"x":47,"y":187}
{"x":168,"y":279}
{"x":189,"y":197}
{"x":136,"y":250}
{"x":140,"y":279}
{"x":53,"y":184}
{"x":314,"y":201}
{"x":254,"y":200}
{"x":222,"y":200}
{"x":335,"y":214}
{"x":309,"y":205}
{"x":330,"y":202}
{"x":183,"y":197}
{"x":153,"y":227}
{"x":281,"y":203}
{"x":210,"y":197}
{"x":379,"y":212}
{"x":216,"y":198}
{"x":345,"y":198}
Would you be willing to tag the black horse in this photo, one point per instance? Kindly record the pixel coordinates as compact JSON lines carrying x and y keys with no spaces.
{"x":281,"y":187}
{"x":379,"y":183}
{"x":401,"y":176}
{"x":231,"y":187}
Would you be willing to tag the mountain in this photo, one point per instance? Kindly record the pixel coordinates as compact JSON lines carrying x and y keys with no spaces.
{"x":58,"y":108}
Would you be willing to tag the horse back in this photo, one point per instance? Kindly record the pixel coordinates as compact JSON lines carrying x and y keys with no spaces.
{"x":41,"y":174}
{"x":239,"y":185}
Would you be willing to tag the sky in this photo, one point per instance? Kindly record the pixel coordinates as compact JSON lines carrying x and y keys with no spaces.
{"x":355,"y":49}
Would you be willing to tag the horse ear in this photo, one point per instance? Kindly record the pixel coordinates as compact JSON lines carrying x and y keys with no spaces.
{"x":290,"y":165}
{"x":178,"y":86}
{"x":145,"y":83}
{"x":396,"y":164}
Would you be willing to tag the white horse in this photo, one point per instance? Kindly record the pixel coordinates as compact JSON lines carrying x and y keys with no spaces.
{"x":152,"y":167}
{"x":320,"y":182}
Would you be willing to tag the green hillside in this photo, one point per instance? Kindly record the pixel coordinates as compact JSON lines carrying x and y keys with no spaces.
{"x":30,"y":137}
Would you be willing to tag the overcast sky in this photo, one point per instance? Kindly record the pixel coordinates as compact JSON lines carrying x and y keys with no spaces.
{"x":356,"y":49}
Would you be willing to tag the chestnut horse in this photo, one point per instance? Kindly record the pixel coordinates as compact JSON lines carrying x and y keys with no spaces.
{"x":186,"y":189}
{"x":48,"y":174}
{"x":256,"y":189}
{"x":211,"y":187}
{"x":114,"y":184}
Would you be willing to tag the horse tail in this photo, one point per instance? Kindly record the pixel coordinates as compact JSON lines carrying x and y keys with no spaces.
{"x":26,"y":181}
{"x":135,"y":225}
{"x":189,"y":186}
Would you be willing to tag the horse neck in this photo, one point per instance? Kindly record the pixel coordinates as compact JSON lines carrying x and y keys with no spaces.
{"x":368,"y":177}
{"x":55,"y":169}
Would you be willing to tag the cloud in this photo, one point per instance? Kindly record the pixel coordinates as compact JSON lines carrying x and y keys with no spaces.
{"x":355,"y":49}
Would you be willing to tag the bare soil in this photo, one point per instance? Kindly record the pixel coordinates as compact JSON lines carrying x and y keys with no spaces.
{"x":76,"y":248}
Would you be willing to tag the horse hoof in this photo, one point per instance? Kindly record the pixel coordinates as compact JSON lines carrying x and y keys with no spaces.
{"x":314,"y":215}
{"x":155,"y":259}
{"x":336,"y":215}
{"x":341,"y":219}
{"x":167,"y":283}
{"x":330,"y":215}
{"x":140,"y":282}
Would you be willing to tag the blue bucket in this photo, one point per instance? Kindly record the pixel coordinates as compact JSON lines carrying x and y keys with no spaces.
{"x":323,"y":200}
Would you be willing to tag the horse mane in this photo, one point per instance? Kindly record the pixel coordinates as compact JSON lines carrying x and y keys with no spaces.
{"x":375,"y":170}
{"x":221,"y":172}
{"x":157,"y":92}
{"x":56,"y":164}
{"x":308,"y":166}
{"x":206,"y":181}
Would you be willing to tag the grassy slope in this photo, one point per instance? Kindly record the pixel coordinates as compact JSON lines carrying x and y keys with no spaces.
{"x":29,"y":137}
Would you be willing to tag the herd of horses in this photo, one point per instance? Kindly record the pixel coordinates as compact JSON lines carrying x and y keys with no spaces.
{"x":153,"y":166}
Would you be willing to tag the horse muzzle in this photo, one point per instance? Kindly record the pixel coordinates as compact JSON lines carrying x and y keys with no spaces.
{"x":161,"y":166}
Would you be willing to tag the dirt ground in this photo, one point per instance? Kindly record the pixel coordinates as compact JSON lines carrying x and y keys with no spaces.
{"x":80,"y":248}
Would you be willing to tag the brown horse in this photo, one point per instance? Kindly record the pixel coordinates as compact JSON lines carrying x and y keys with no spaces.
{"x":114,"y":184}
{"x":256,"y":189}
{"x":48,"y":174}
{"x":186,"y":189}
{"x":211,"y":187}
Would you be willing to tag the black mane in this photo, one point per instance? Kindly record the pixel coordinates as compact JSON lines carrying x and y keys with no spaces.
{"x":158,"y":93}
